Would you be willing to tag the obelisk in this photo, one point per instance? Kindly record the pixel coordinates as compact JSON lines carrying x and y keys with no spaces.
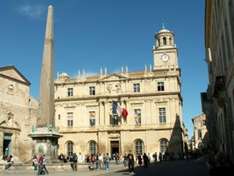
{"x":44,"y":135}
{"x":47,"y":76}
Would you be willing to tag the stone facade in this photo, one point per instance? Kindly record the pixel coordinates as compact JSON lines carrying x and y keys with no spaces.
{"x":218,"y":101}
{"x":18,"y":111}
{"x":200,"y":131}
{"x":152,"y":97}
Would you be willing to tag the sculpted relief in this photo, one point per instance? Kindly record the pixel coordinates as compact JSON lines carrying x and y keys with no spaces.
{"x":113,"y":88}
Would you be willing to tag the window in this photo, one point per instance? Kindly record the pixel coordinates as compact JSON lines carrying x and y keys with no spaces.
{"x":69,"y":148}
{"x":164,"y":41}
{"x":115,"y":120}
{"x":162,"y":115}
{"x":160,"y":86}
{"x":92,"y":118}
{"x":137,"y":115}
{"x":136,"y":87}
{"x":70,"y":92}
{"x":199,"y":132}
{"x":91,"y":90}
{"x":170,"y":41}
{"x":139,"y":147}
{"x":59,"y":116}
{"x":92,"y":147}
{"x":163,"y":145}
{"x":70,"y":119}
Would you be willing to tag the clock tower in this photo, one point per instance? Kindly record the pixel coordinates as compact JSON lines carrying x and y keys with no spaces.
{"x":165,"y":51}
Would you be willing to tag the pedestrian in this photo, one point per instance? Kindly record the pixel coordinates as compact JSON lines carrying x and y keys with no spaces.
{"x":139,"y":159}
{"x":125,"y":160}
{"x":97,"y":161}
{"x":100,"y":159}
{"x":131,"y":163}
{"x":35,"y":163}
{"x":44,"y":164}
{"x":74,"y":161}
{"x":10,"y":162}
{"x":107,"y":162}
{"x":149,"y":157}
{"x":40,"y":170}
{"x":146,"y":160}
{"x":155,"y":157}
{"x":160,"y":157}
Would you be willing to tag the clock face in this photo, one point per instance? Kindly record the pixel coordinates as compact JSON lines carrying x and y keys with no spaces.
{"x":164,"y":57}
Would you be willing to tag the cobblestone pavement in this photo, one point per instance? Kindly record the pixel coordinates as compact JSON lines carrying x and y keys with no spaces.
{"x":167,"y":168}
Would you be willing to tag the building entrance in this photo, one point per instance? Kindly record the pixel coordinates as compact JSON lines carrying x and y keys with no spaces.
{"x":114,"y":148}
{"x":7,"y":144}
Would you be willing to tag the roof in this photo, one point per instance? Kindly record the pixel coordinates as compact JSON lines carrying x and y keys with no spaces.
{"x":16,"y":75}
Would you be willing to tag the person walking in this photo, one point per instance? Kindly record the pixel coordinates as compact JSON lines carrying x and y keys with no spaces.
{"x":44,"y":162}
{"x":125,"y":160}
{"x":139,"y":159}
{"x":40,"y":170}
{"x":74,"y":161}
{"x":107,"y":162}
{"x":131,"y":163}
{"x":146,"y":160}
{"x":97,"y":161}
{"x":160,"y":157}
{"x":10,"y":162}
{"x":155,"y":157}
{"x":100,"y":160}
{"x":35,"y":162}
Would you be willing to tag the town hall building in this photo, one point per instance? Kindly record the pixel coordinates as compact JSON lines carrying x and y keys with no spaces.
{"x":137,"y":111}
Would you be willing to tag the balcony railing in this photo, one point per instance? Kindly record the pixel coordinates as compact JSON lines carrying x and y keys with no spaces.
{"x":119,"y":127}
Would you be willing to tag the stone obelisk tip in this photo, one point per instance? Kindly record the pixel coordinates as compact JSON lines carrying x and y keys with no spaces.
{"x":50,"y":7}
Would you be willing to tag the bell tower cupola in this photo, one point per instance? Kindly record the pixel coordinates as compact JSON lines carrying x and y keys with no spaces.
{"x":164,"y":50}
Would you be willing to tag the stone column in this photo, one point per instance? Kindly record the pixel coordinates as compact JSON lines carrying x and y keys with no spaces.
{"x":101,"y":113}
{"x":1,"y":143}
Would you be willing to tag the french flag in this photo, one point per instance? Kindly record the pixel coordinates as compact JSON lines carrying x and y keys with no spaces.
{"x":118,"y":110}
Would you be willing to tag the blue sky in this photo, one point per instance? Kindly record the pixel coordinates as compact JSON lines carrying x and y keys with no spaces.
{"x":108,"y":33}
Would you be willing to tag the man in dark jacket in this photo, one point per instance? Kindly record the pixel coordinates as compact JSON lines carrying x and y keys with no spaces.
{"x":130,"y":162}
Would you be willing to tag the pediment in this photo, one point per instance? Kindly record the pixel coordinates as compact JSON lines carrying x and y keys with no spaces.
{"x":113,"y":77}
{"x":9,"y":124}
{"x":13,"y":73}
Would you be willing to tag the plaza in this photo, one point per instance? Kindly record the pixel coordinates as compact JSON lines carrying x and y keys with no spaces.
{"x":119,"y":84}
{"x":182,"y":168}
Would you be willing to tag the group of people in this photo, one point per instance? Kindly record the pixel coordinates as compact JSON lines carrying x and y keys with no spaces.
{"x":39,"y":163}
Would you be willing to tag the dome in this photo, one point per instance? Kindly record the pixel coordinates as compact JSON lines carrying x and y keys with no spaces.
{"x":64,"y":74}
{"x":163,"y":30}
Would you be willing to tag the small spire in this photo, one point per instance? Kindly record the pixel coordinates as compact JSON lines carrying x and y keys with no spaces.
{"x":105,"y":70}
{"x":101,"y":71}
{"x":145,"y":68}
{"x":126,"y":69}
{"x":163,"y":26}
{"x":150,"y":68}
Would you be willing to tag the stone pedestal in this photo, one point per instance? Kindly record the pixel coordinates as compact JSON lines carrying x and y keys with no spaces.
{"x":45,"y":141}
